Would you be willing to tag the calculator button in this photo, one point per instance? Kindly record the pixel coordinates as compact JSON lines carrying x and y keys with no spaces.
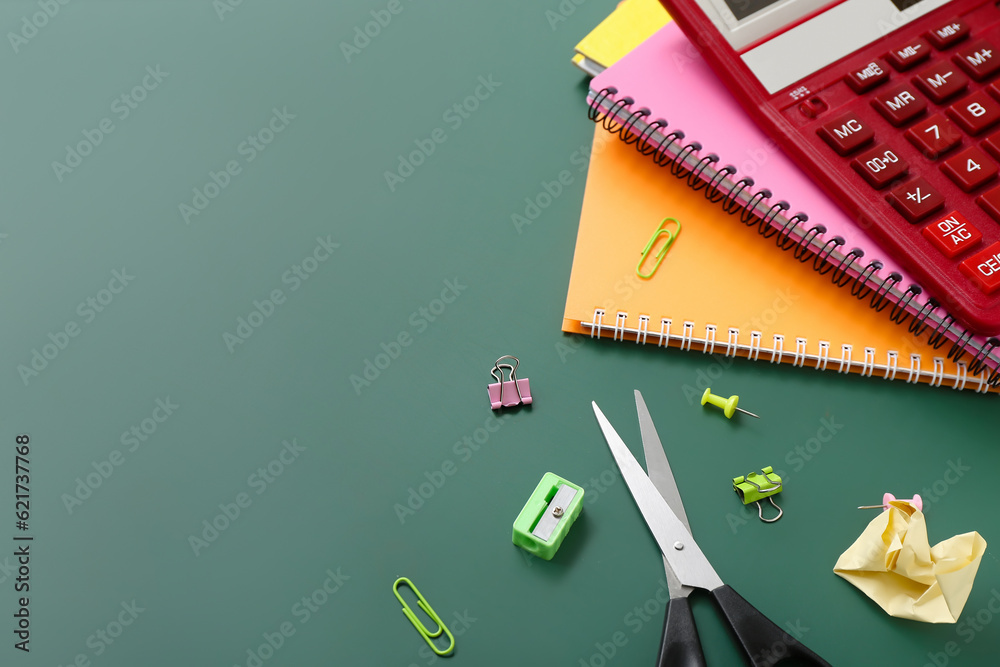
{"x":950,"y":33}
{"x":846,"y":133}
{"x":970,"y":169}
{"x":992,"y":145}
{"x":879,"y":166}
{"x":868,"y":76}
{"x":975,"y":113}
{"x":984,"y":268}
{"x":934,"y":136}
{"x":952,"y":234}
{"x":916,"y":200}
{"x":941,"y":81}
{"x":900,"y":104}
{"x":990,"y":202}
{"x":907,"y":55}
{"x":978,"y":59}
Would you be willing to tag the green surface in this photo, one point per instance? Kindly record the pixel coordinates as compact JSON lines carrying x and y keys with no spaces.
{"x":431,"y":281}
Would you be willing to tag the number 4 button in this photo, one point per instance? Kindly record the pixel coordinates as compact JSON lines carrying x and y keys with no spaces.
{"x":916,"y":200}
{"x":970,"y":169}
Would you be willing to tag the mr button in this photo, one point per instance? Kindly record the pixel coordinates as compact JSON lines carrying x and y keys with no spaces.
{"x":984,"y":268}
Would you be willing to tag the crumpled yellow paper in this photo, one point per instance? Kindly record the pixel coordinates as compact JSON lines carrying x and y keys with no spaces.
{"x":893,"y":564}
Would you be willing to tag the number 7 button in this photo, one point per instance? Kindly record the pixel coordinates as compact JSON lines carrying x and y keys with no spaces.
{"x":935,"y":136}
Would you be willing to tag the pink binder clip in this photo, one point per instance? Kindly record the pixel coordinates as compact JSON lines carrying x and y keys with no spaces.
{"x":509,"y":393}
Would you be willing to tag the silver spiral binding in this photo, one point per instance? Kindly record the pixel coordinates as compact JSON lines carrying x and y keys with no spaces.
{"x":721,"y":185}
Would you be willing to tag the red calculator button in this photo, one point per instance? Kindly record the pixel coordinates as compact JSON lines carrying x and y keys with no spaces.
{"x":879,"y":166}
{"x":976,"y":112}
{"x":905,"y":56}
{"x":846,"y":133}
{"x":868,"y":76}
{"x":934,"y":136}
{"x":900,"y":104}
{"x":952,"y":234}
{"x":990,"y":202}
{"x":992,"y":145}
{"x":978,"y":59}
{"x":970,"y":169}
{"x":916,"y":200}
{"x":941,"y":81}
{"x":984,"y":268}
{"x":950,"y":33}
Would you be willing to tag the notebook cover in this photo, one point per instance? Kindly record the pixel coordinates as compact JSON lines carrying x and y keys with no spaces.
{"x":667,"y":75}
{"x":712,"y":277}
{"x":630,"y":24}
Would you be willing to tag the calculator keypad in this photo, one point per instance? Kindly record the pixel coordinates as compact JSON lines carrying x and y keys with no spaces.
{"x":940,"y":89}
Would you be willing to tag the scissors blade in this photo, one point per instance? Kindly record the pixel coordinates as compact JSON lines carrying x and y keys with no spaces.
{"x":681,"y":551}
{"x":658,"y":470}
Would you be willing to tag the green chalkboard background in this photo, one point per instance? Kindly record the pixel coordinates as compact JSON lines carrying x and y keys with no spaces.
{"x":244,"y":255}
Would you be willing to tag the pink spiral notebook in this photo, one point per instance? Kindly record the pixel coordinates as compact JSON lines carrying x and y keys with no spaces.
{"x":665,"y":100}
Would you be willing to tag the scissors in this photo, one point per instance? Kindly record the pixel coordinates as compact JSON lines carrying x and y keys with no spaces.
{"x":686,"y":566}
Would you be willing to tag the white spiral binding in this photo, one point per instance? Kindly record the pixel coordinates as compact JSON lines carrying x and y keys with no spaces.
{"x":732,"y":343}
{"x":687,"y":339}
{"x":709,"y":346}
{"x":800,"y":352}
{"x":643,"y":329}
{"x":778,"y":351}
{"x":869,"y":364}
{"x":914,"y":375}
{"x":892,"y":364}
{"x":620,"y":320}
{"x":687,"y":335}
{"x":754,"y":345}
{"x":598,"y":320}
{"x":824,"y":355}
{"x":938,"y":373}
{"x":664,"y":332}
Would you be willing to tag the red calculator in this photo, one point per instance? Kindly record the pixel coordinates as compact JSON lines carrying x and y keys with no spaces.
{"x":893,"y":107}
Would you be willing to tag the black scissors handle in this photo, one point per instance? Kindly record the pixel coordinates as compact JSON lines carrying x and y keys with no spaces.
{"x":680,"y":646}
{"x":763,"y":641}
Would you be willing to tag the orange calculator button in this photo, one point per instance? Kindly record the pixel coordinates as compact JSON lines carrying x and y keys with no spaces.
{"x":952,"y":234}
{"x":984,"y":268}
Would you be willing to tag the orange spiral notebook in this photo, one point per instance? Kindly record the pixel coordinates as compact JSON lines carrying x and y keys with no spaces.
{"x":719,"y":291}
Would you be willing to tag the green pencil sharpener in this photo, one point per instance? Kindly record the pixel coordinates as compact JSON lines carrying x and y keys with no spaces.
{"x":545,"y":519}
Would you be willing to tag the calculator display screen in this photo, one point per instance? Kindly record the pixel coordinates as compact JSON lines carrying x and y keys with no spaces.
{"x":744,"y":8}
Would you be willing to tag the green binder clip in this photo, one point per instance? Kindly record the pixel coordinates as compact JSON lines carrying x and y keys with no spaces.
{"x":545,"y":519}
{"x":428,"y":636}
{"x":755,"y":487}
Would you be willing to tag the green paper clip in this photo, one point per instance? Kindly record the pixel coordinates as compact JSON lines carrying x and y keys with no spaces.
{"x":424,"y":632}
{"x":660,"y":231}
{"x":545,"y":519}
{"x":754,"y":487}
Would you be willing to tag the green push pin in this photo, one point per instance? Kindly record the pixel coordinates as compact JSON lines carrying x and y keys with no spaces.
{"x":728,"y":405}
